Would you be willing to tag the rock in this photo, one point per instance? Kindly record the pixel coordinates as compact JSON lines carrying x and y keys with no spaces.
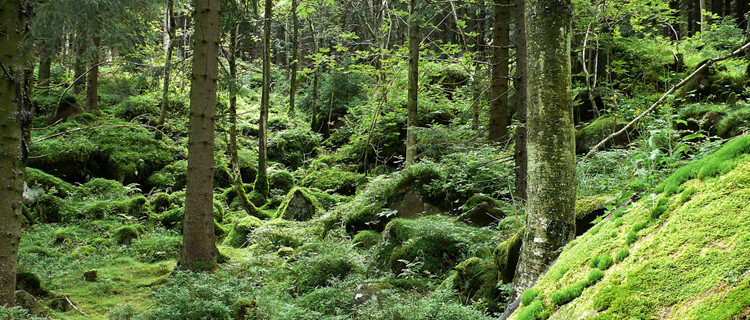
{"x":59,"y":304}
{"x":413,"y":205}
{"x":299,"y":206}
{"x":125,"y":234}
{"x":584,"y":110}
{"x":366,"y":292}
{"x":506,"y":256}
{"x":237,"y":237}
{"x":28,"y":302}
{"x":601,"y":128}
{"x":90,"y":276}
{"x":481,"y":215}
{"x":29,"y":282}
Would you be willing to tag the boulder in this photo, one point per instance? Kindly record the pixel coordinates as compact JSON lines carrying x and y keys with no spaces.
{"x":299,"y":206}
{"x":28,"y":302}
{"x":412,"y":205}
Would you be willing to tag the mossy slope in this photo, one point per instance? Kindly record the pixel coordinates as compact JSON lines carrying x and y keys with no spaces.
{"x":689,"y":262}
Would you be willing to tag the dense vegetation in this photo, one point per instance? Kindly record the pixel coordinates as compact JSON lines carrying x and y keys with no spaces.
{"x":350,"y":226}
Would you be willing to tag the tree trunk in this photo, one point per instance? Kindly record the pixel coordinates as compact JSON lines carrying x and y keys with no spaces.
{"x":550,"y":222}
{"x":92,"y":85}
{"x":498,"y":126}
{"x":295,"y":59}
{"x":717,"y":6}
{"x":261,"y":180}
{"x":703,"y":16}
{"x":742,"y":8}
{"x":15,"y":120}
{"x":411,"y":101}
{"x":316,"y":74}
{"x":79,"y":68}
{"x":479,"y":49}
{"x":170,"y":32}
{"x":45,"y":68}
{"x":199,"y":249}
{"x":519,"y":153}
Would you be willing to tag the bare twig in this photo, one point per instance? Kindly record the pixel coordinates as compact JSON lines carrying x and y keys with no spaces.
{"x":664,"y":97}
{"x":74,"y":306}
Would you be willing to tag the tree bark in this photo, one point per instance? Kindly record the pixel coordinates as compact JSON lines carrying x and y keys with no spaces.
{"x":295,"y":59}
{"x":199,"y":249}
{"x":703,"y":16}
{"x":550,"y":222}
{"x":316,"y":74}
{"x":413,"y":85}
{"x":498,"y":126}
{"x":169,"y":44}
{"x":15,"y":120}
{"x":92,"y":85}
{"x":519,"y":152}
{"x":261,"y":180}
{"x":742,"y":7}
{"x":79,"y":68}
{"x":45,"y":68}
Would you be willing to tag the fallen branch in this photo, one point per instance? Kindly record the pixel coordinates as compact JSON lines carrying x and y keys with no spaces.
{"x":74,"y":306}
{"x":663,"y":97}
{"x":93,"y":128}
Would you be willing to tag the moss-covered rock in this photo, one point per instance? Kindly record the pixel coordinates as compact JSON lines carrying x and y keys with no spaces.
{"x":28,"y":302}
{"x":237,"y":237}
{"x":602,"y":127}
{"x":430,"y":245}
{"x":30,"y":283}
{"x":588,"y":209}
{"x":48,"y":183}
{"x":101,"y":209}
{"x":138,"y":207}
{"x":125,"y":235}
{"x":483,"y":210}
{"x":366,"y":239}
{"x":298,"y":206}
{"x":281,"y":180}
{"x":292,"y":147}
{"x":320,"y":263}
{"x":476,"y":280}
{"x":335,"y":180}
{"x":735,"y":123}
{"x":160,"y":202}
{"x":103,"y":189}
{"x":50,"y":209}
{"x":506,"y":256}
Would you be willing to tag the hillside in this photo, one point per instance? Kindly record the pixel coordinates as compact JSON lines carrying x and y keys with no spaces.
{"x":679,"y":254}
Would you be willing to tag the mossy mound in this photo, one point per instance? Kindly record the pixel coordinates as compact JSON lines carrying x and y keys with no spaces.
{"x":702,"y":117}
{"x":292,"y":147}
{"x":588,"y":209}
{"x":482,"y":210}
{"x":50,"y":209}
{"x":281,"y":180}
{"x":299,"y":206}
{"x":431,"y":245}
{"x":477,"y":280}
{"x":506,"y":256}
{"x":689,"y":262}
{"x":103,"y":189}
{"x":602,"y":127}
{"x":336,"y":180}
{"x":366,"y":239}
{"x":378,"y":203}
{"x":125,"y":235}
{"x":49,"y":183}
{"x":241,"y":228}
{"x":127,"y":154}
{"x":735,"y":123}
{"x":320,"y":263}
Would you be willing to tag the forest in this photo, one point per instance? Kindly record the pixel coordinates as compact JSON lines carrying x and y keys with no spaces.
{"x":375,"y":159}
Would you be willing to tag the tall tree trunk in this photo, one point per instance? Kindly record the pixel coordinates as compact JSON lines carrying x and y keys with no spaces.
{"x":15,"y":120}
{"x":742,"y":7}
{"x":411,"y":101}
{"x":550,"y":222}
{"x":170,"y":33}
{"x":295,"y":59}
{"x":45,"y":68}
{"x":703,"y":16}
{"x":480,"y":50}
{"x":498,"y":126}
{"x":519,"y":153}
{"x":92,"y":85}
{"x":316,"y":75}
{"x":261,"y":180}
{"x":199,"y":249}
{"x":239,"y":185}
{"x":79,"y":68}
{"x":717,"y":7}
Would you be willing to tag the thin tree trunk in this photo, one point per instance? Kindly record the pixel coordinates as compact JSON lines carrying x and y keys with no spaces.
{"x":170,"y":30}
{"x":239,"y":185}
{"x":295,"y":59}
{"x":703,"y":15}
{"x":316,"y":74}
{"x":92,"y":86}
{"x":411,"y":101}
{"x":15,"y":112}
{"x":550,"y":221}
{"x":261,"y":180}
{"x":45,"y":67}
{"x":519,"y":153}
{"x":199,"y":249}
{"x":498,"y":126}
{"x":742,"y":7}
{"x":79,"y":68}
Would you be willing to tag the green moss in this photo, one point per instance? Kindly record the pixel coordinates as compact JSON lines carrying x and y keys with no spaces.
{"x":604,"y":262}
{"x":301,"y":209}
{"x":240,"y":230}
{"x":534,"y":311}
{"x":528,"y":296}
{"x":173,"y":176}
{"x":160,"y":202}
{"x":138,"y":207}
{"x":506,"y":256}
{"x":596,"y":131}
{"x":101,"y":209}
{"x":594,"y":276}
{"x":594,"y":262}
{"x":586,"y":206}
{"x":621,"y":255}
{"x":171,"y":218}
{"x":328,"y":301}
{"x":282,"y":180}
{"x":568,"y":294}
{"x":49,"y":183}
{"x":718,"y":163}
{"x":256,"y":198}
{"x":103,"y":188}
{"x":125,"y":235}
{"x":321,"y":263}
{"x":476,"y":280}
{"x":50,"y":208}
{"x":687,"y":194}
{"x":734,"y":124}
{"x":334,"y":179}
{"x":366,"y":239}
